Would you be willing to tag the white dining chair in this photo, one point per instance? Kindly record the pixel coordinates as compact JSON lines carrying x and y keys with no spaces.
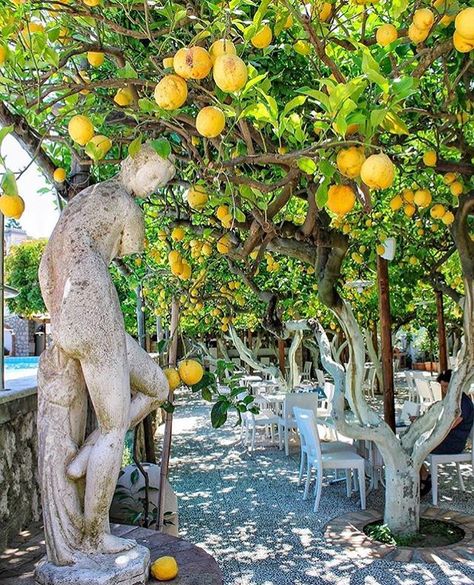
{"x":425,"y":394}
{"x":435,"y":460}
{"x":319,"y":460}
{"x":306,"y":373}
{"x":287,"y":422}
{"x":320,"y":378}
{"x":265,"y":419}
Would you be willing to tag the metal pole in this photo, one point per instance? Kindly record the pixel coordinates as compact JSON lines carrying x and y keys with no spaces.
{"x":443,"y":350}
{"x":166,"y":452}
{"x":386,"y":339}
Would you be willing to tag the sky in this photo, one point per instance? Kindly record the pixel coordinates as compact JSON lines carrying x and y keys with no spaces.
{"x":41,"y":213}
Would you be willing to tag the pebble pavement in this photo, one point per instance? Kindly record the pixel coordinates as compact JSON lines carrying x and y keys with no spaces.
{"x":247,"y":511}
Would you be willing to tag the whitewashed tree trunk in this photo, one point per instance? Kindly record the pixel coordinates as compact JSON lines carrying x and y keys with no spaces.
{"x":402,"y":497}
{"x":294,"y":376}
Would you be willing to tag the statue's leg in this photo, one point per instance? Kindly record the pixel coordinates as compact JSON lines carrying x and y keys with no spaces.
{"x":108,"y":384}
{"x":147,"y":378}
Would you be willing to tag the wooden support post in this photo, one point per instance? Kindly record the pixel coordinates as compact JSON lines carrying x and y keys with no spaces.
{"x":166,"y":451}
{"x":443,"y":350}
{"x":386,"y":339}
{"x":281,"y":355}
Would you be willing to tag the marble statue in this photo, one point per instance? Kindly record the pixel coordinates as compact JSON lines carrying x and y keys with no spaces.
{"x":91,"y":356}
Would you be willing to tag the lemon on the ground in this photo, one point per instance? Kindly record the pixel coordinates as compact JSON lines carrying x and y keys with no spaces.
{"x":262,"y":38}
{"x":210,"y":121}
{"x":197,"y":197}
{"x":95,"y":58}
{"x":177,"y":234}
{"x":59,"y":175}
{"x":349,"y":161}
{"x":12,"y":205}
{"x":430,"y":158}
{"x":386,"y":34}
{"x":221,"y":47}
{"x":378,"y":171}
{"x":80,"y":129}
{"x":230,"y":73}
{"x":190,"y":371}
{"x":341,"y":199}
{"x":164,"y":568}
{"x":223,"y":244}
{"x":171,"y":92}
{"x":192,"y":63}
{"x":464,"y":23}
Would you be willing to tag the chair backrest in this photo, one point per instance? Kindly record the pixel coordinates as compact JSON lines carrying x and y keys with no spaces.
{"x":265,"y":360}
{"x":320,"y":378}
{"x":307,"y":368}
{"x":410,"y":380}
{"x":424,"y":390}
{"x":307,"y":400}
{"x":436,"y":390}
{"x":308,"y":430}
{"x":329,"y":391}
{"x":409,"y":409}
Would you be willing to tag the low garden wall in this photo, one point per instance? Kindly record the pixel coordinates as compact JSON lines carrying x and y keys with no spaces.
{"x":19,"y":490}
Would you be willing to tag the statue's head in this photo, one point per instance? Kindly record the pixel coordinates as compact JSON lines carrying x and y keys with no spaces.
{"x":143,"y":173}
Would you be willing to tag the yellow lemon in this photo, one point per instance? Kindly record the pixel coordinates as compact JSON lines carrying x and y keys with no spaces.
{"x":423,"y":18}
{"x":12,"y":205}
{"x":449,"y":178}
{"x":174,"y":257}
{"x":437,"y":211}
{"x":386,"y":34}
{"x":59,"y":175}
{"x":408,"y":195}
{"x":288,"y":22}
{"x":91,"y":3}
{"x":230,"y":73}
{"x":177,"y":234}
{"x":164,"y":569}
{"x":3,"y":54}
{"x":123,"y":97}
{"x":262,"y":38}
{"x":190,"y":371}
{"x":96,"y":59}
{"x":456,"y":188}
{"x":171,"y":92}
{"x":185,"y":272}
{"x":98,"y":147}
{"x":302,"y":47}
{"x":380,"y":249}
{"x":349,"y":161}
{"x":197,"y":197}
{"x":464,"y":23}
{"x":462,"y":44}
{"x":417,"y":35}
{"x":378,"y":171}
{"x":210,"y":121}
{"x":341,"y":199}
{"x":422,"y":198}
{"x":325,"y":11}
{"x":396,"y":203}
{"x":409,"y":210}
{"x":192,"y":63}
{"x":80,"y":129}
{"x":173,"y":378}
{"x":222,"y":211}
{"x":223,"y":244}
{"x":448,"y":218}
{"x":221,"y":47}
{"x":168,"y":62}
{"x":430,"y":158}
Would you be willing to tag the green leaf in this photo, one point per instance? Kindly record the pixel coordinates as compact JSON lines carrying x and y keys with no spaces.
{"x":259,"y":111}
{"x":207,"y":394}
{"x":377,"y":117}
{"x":294,"y":103}
{"x":398,"y":7}
{"x":135,"y":146}
{"x":4,"y":132}
{"x":371,"y":68}
{"x":9,"y":185}
{"x":207,"y":381}
{"x":147,"y":105}
{"x":307,"y":165}
{"x":394,"y":124}
{"x":262,"y":9}
{"x":127,"y":72}
{"x":162,"y":147}
{"x":252,"y":82}
{"x":219,"y":413}
{"x":322,"y":193}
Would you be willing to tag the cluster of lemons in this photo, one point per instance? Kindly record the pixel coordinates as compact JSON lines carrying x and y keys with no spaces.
{"x":189,"y":372}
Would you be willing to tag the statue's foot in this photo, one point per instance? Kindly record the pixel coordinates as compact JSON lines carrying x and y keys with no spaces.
{"x":77,"y":468}
{"x":110,"y":544}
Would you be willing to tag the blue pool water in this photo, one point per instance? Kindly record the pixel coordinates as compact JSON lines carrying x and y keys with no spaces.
{"x":30,"y":364}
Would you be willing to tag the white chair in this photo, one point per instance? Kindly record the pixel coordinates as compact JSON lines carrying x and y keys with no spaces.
{"x":320,"y":460}
{"x":412,"y":393}
{"x":287,"y":422}
{"x":320,"y":378}
{"x":425,"y":394}
{"x":265,"y":419}
{"x":436,"y":391}
{"x":369,"y":380}
{"x":435,"y":460}
{"x":409,"y":409}
{"x":306,"y":373}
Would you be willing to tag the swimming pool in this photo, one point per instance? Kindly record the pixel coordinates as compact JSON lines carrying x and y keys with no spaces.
{"x":30,"y":364}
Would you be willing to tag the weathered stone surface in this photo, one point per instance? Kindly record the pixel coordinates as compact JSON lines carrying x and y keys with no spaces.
{"x":19,"y":491}
{"x":128,"y":568}
{"x":91,"y":355}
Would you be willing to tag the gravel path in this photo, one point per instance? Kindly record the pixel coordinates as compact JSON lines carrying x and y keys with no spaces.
{"x":247,"y":511}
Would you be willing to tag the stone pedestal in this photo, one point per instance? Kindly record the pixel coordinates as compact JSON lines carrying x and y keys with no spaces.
{"x":127,"y":568}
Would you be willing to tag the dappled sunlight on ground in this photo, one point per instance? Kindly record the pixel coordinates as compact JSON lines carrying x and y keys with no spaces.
{"x":247,"y":510}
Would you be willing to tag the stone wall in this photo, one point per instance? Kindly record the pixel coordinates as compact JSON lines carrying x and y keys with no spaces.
{"x":19,"y":490}
{"x":24,"y":334}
